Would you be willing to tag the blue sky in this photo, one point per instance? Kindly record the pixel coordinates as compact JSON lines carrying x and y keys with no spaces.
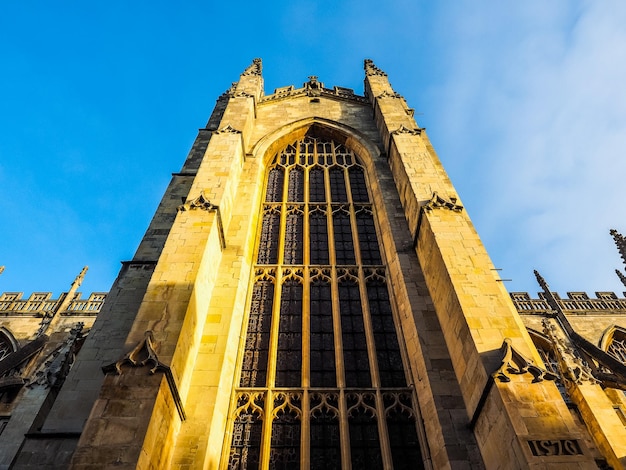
{"x":524,"y":103}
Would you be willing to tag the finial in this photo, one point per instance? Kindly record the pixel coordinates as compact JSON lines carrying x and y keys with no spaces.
{"x":542,"y":282}
{"x":371,"y":69}
{"x":1,"y":269}
{"x":255,"y":68}
{"x":313,"y":83}
{"x":79,"y":279}
{"x":551,"y":299}
{"x":620,"y":241}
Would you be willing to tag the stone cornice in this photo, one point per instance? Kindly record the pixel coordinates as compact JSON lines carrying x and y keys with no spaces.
{"x":344,"y":94}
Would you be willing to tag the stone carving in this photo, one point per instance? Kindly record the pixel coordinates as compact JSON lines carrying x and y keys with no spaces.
{"x":227,"y":129}
{"x":144,"y":354}
{"x":371,"y":69}
{"x":405,"y":130}
{"x":141,"y":355}
{"x":573,"y":367}
{"x":255,"y":68}
{"x":201,"y":202}
{"x":586,"y":362}
{"x":57,"y":365}
{"x":554,"y":447}
{"x":386,"y":94}
{"x":313,"y":87}
{"x":438,"y":202}
{"x":514,"y":362}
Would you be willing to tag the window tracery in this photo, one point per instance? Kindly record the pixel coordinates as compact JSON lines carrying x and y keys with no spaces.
{"x":322,"y":377}
{"x":617,"y":345}
{"x":7,"y":343}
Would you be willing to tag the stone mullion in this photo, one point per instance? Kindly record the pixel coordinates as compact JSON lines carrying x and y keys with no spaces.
{"x":273,"y":347}
{"x":344,"y":434}
{"x":385,"y":445}
{"x":306,"y":328}
{"x":266,"y":438}
{"x":305,"y":431}
{"x":369,"y":335}
{"x":306,"y":288}
{"x":344,"y":431}
{"x":306,"y":255}
{"x":283,"y":219}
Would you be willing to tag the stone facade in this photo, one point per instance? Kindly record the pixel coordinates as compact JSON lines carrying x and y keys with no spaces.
{"x":39,"y":339}
{"x":458,"y":373}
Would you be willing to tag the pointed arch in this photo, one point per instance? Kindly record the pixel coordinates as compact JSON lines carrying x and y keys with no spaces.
{"x":613,"y":341}
{"x":271,"y":143}
{"x":8,"y":343}
{"x":545,"y":347}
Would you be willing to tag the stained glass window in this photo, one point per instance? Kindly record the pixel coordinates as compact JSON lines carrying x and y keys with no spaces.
{"x":322,"y":382}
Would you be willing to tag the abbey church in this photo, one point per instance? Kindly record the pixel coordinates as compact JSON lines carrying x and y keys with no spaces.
{"x":311,"y":293}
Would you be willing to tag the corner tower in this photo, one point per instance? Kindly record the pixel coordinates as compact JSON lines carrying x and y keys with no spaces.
{"x":320,"y":299}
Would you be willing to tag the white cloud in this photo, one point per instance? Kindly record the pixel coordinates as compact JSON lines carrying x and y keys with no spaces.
{"x":537,"y":94}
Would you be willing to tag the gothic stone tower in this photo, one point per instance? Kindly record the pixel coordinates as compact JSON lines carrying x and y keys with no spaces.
{"x":320,"y":299}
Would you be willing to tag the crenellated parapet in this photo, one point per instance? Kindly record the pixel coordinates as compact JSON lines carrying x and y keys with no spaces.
{"x":40,"y":303}
{"x":576,"y":303}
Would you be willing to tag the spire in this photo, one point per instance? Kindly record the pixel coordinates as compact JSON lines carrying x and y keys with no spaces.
{"x":371,"y":69}
{"x":621,"y":276}
{"x":1,"y":269}
{"x":542,"y":282}
{"x":49,"y":318}
{"x":560,"y":315}
{"x":255,"y":68}
{"x":79,"y":279}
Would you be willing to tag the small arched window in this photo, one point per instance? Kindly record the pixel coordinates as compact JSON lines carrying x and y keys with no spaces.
{"x":613,"y":341}
{"x":8,"y":344}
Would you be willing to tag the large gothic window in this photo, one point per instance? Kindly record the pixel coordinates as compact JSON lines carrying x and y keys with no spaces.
{"x":322,"y":383}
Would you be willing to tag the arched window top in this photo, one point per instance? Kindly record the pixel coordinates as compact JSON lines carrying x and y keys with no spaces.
{"x":539,"y":339}
{"x":8,"y":343}
{"x":315,"y":151}
{"x":613,"y":341}
{"x":316,"y":134}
